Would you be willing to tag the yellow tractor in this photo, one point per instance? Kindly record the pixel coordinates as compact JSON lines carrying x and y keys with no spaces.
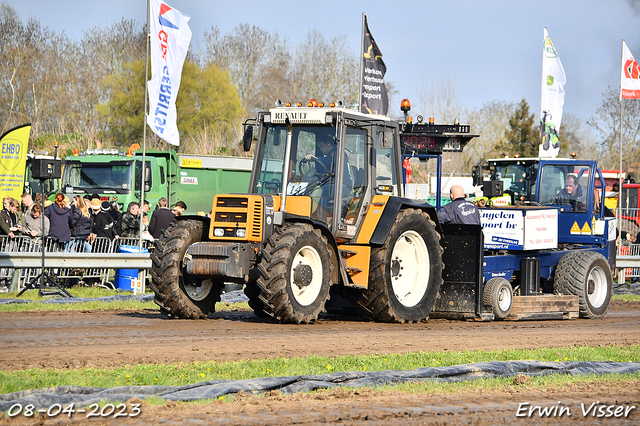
{"x":325,"y":218}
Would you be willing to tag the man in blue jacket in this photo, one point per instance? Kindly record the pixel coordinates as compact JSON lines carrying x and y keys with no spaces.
{"x":459,"y":210}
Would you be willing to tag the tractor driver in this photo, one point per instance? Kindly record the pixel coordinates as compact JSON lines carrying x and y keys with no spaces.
{"x":327,"y":148}
{"x":572,"y":194}
{"x":325,"y":165}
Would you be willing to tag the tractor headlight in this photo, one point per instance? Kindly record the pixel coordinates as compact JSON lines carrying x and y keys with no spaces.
{"x":218,"y":232}
{"x":241,"y":233}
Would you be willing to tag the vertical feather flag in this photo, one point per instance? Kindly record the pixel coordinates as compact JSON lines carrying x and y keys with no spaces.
{"x":170,"y":37}
{"x":373,"y":93}
{"x":630,"y":78}
{"x":553,"y":80}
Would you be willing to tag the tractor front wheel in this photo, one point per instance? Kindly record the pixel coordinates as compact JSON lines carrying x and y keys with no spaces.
{"x":294,"y":274}
{"x":179,"y":294}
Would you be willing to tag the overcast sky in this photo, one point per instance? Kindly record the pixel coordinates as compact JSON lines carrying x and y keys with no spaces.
{"x":489,"y":50}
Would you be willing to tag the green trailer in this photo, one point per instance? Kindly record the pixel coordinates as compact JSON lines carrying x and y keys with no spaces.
{"x":116,"y":176}
{"x":199,"y":175}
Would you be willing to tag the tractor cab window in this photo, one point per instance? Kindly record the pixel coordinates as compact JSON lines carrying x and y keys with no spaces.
{"x":566,"y":186}
{"x":313,"y":166}
{"x":272,"y":160}
{"x":354,"y":176}
{"x":385,"y":162}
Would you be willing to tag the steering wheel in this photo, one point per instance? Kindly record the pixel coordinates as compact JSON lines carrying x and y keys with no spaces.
{"x":312,"y":169}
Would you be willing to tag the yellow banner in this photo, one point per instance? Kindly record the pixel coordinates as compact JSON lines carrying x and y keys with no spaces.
{"x":13,"y":159}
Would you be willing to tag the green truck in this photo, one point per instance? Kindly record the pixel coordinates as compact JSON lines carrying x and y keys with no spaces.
{"x":116,"y":176}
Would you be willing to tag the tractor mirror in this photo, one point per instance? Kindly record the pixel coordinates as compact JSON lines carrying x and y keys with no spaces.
{"x":248,"y":136}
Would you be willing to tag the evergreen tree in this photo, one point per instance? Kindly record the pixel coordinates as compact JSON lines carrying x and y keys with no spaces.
{"x":523,"y":136}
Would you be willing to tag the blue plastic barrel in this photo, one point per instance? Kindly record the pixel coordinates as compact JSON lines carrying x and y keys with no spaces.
{"x":124,"y":277}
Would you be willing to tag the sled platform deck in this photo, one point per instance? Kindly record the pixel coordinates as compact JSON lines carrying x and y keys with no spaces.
{"x":548,"y":306}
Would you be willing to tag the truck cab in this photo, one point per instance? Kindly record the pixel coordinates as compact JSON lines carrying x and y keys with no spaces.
{"x":116,"y":176}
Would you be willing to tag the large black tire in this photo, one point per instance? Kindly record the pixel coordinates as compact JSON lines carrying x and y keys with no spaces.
{"x":252,"y":292}
{"x":413,"y":249}
{"x":586,"y":274}
{"x":294,"y":274}
{"x":498,"y":294}
{"x":180,"y":295}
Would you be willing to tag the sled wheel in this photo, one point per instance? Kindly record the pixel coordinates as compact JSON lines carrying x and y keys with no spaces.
{"x":178,"y":294}
{"x":406,"y":272}
{"x":498,"y":293}
{"x":586,"y":274}
{"x":294,"y":273}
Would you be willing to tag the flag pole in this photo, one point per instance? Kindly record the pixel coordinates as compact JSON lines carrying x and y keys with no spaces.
{"x":364,"y":18}
{"x":620,"y":180}
{"x":144,"y":130}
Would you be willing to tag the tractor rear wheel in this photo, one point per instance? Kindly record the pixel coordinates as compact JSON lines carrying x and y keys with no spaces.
{"x":586,"y":274}
{"x":498,"y":294}
{"x":179,"y":294}
{"x":294,"y":273}
{"x":406,"y":273}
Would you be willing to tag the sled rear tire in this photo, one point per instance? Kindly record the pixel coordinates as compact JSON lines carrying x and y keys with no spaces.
{"x":586,"y":274}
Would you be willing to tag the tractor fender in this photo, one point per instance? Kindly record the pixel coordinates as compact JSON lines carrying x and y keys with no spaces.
{"x":393,"y":207}
{"x":326,"y":232}
{"x":206,"y":224}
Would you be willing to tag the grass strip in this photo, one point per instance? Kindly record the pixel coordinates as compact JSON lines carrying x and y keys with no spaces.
{"x":183,"y":374}
{"x":35,"y":304}
{"x":133,"y":305}
{"x":627,"y":297}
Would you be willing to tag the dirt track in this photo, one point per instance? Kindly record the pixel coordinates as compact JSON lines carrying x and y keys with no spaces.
{"x":115,"y":338}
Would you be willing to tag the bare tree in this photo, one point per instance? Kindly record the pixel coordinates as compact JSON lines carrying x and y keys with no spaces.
{"x":103,"y":52}
{"x":325,"y":70}
{"x":439,"y":102}
{"x":489,"y":122}
{"x":576,"y":137}
{"x":251,"y":55}
{"x":55,"y":83}
{"x":29,"y":72}
{"x":606,"y":124}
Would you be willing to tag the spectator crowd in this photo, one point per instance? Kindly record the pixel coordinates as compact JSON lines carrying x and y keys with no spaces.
{"x":74,"y":225}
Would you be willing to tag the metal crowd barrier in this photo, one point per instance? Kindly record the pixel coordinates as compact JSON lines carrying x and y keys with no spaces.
{"x":16,"y":244}
{"x":628,"y":262}
{"x":26,"y":245}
